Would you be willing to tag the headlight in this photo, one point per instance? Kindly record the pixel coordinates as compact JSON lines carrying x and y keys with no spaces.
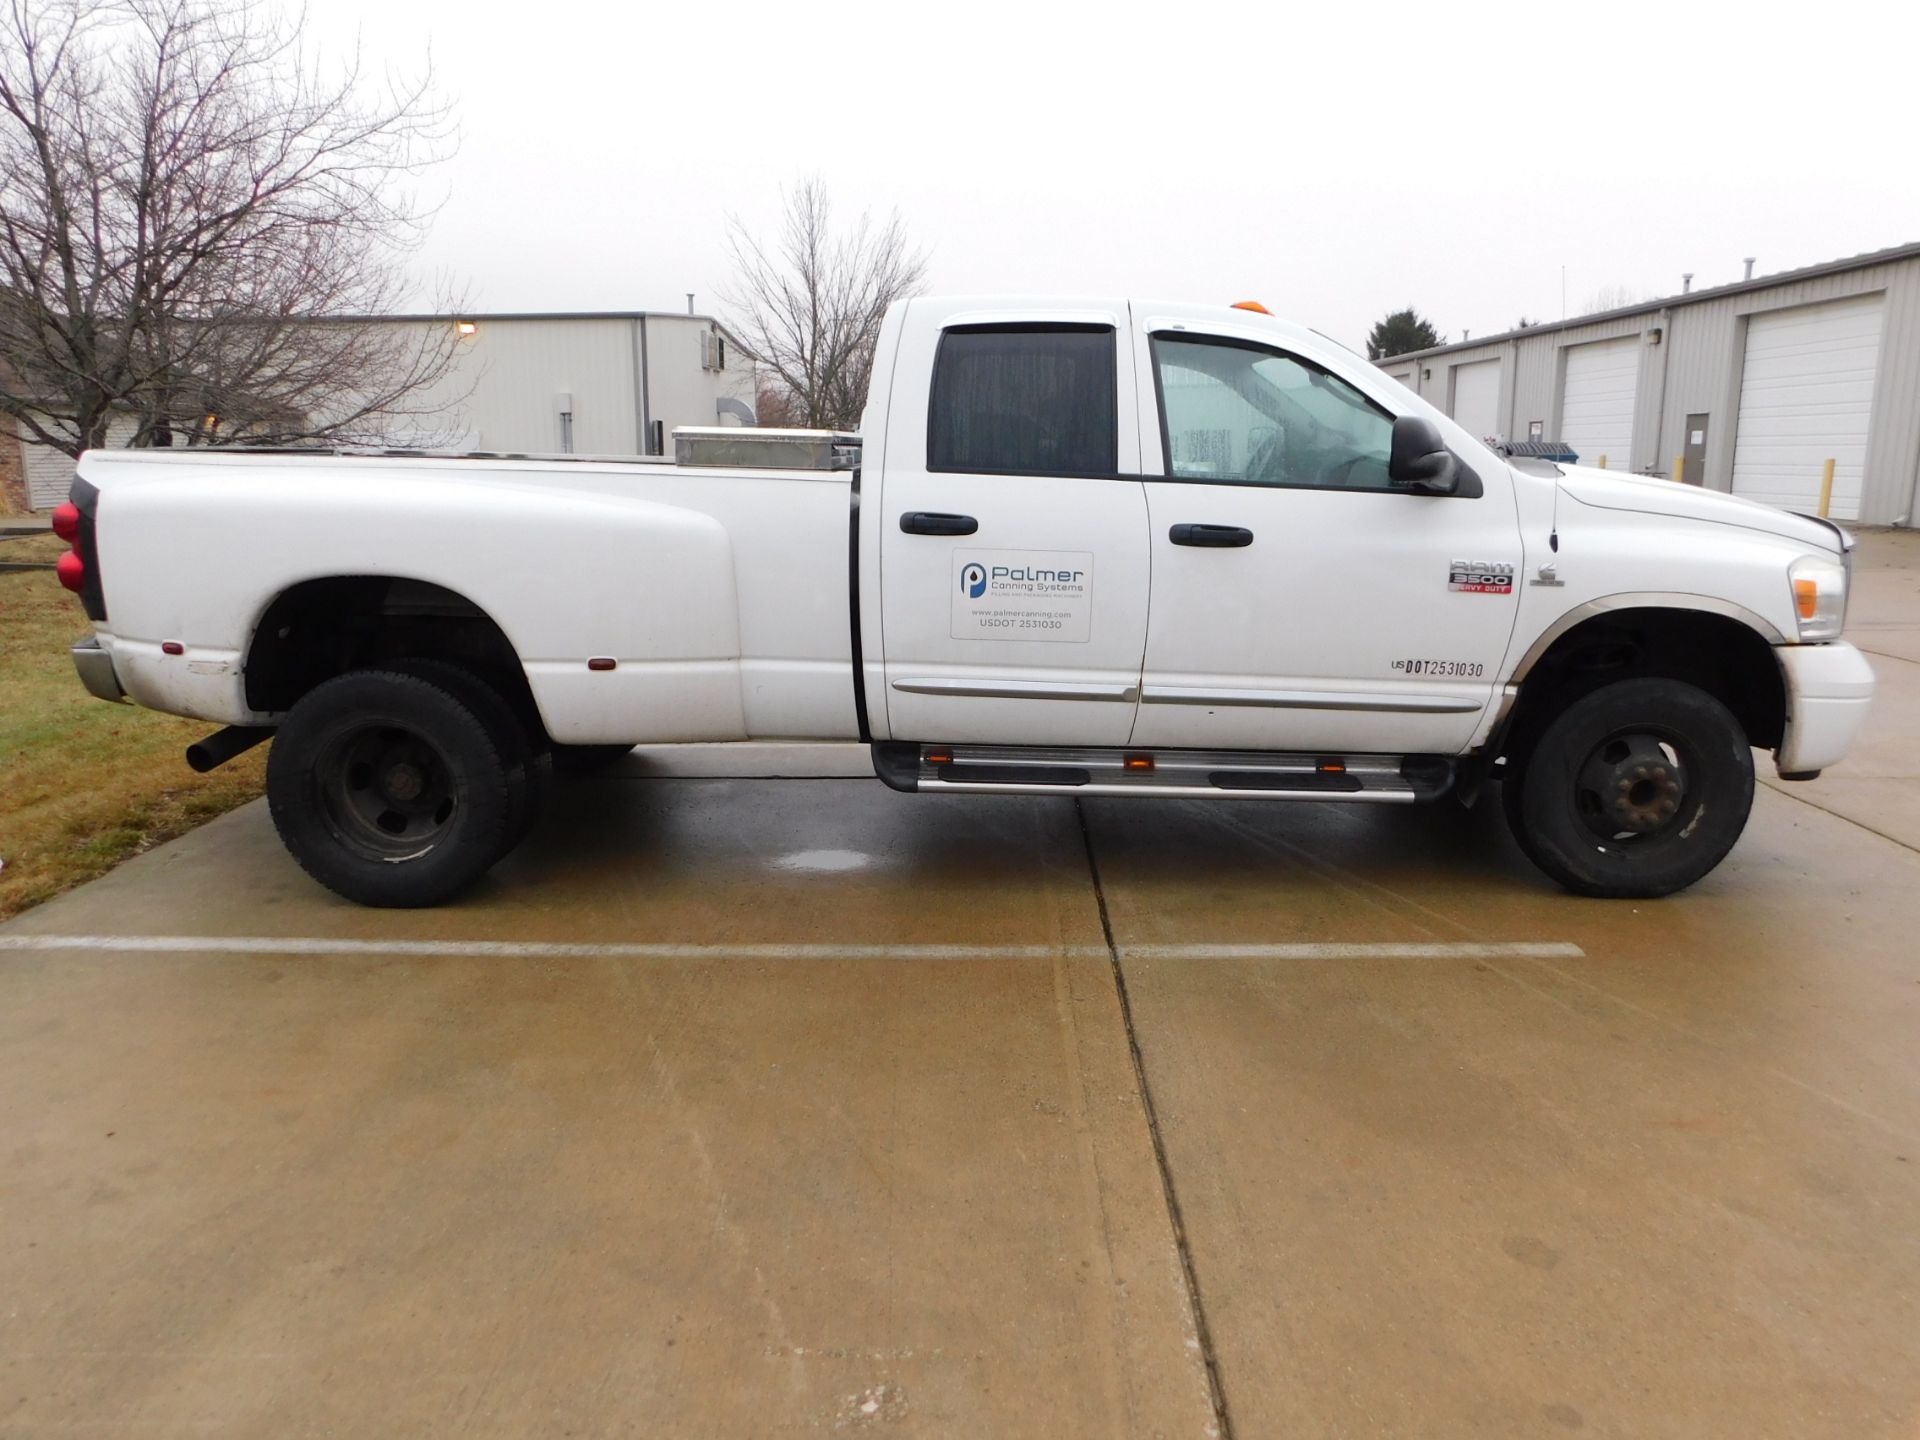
{"x":1819,"y":584}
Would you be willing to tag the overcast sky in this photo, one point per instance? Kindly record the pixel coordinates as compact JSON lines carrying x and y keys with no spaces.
{"x":1334,"y":161}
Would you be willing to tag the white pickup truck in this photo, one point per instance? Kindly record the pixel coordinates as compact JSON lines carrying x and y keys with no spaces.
{"x":1080,"y":547}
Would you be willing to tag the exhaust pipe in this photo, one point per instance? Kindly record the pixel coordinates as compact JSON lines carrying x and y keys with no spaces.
{"x":223,"y":745}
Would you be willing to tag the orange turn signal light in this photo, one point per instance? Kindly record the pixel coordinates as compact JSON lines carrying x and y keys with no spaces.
{"x":1253,"y":305}
{"x":1137,"y":762}
{"x":938,"y":757}
{"x":1332,"y":767}
{"x":1806,"y":598}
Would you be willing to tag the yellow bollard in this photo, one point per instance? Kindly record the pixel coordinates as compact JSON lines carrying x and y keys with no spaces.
{"x":1679,"y":469}
{"x":1603,"y":462}
{"x":1826,"y":489}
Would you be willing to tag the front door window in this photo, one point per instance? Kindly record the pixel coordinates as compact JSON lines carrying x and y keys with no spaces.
{"x":1246,"y":415}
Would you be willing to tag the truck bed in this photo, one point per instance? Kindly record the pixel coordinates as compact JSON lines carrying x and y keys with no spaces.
{"x":719,"y":593}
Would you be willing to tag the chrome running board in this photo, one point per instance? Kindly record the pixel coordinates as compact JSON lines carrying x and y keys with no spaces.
{"x":1168,"y":774}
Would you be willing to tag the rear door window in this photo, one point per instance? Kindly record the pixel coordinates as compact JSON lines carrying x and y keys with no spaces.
{"x":1024,"y":400}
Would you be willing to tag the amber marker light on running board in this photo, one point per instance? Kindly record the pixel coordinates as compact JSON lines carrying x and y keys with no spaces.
{"x":1253,"y":305}
{"x":1138,"y":762}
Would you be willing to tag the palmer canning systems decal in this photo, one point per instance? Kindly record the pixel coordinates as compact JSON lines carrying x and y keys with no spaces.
{"x":1022,"y":595}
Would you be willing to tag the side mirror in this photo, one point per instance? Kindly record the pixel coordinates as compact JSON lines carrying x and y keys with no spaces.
{"x":1420,"y":459}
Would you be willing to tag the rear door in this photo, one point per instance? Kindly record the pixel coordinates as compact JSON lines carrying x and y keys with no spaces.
{"x":1013,"y":557}
{"x":1300,"y":602}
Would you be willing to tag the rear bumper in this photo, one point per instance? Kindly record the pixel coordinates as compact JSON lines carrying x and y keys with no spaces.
{"x":95,"y":666}
{"x":1829,"y":688}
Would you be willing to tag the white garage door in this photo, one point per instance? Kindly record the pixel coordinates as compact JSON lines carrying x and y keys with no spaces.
{"x":1476,"y":397}
{"x":1596,"y":411}
{"x":1806,"y":396}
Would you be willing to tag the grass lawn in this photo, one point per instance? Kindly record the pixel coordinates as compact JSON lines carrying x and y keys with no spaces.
{"x":83,"y":784}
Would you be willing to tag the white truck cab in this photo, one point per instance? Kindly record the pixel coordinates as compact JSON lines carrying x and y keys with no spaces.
{"x":1083,"y":546}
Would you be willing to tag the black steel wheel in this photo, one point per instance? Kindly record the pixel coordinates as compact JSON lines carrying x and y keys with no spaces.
{"x":1633,"y":784}
{"x":522,"y":746}
{"x":1635,"y":790}
{"x":389,"y":789}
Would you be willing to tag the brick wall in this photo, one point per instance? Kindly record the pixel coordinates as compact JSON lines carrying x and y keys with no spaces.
{"x":13,"y":473}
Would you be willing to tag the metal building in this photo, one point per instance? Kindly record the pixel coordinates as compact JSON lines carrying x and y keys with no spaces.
{"x":1750,"y":387}
{"x":600,"y":383}
{"x":596,"y":383}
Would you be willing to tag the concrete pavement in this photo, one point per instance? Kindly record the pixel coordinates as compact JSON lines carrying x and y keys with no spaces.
{"x":754,"y":1107}
{"x":324,"y":1193}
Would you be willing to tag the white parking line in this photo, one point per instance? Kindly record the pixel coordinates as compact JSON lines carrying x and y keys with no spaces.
{"x":550,"y":950}
{"x":1390,"y":950}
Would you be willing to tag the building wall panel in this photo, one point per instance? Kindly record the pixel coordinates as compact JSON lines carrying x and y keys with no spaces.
{"x":1695,"y":368}
{"x":500,"y":393}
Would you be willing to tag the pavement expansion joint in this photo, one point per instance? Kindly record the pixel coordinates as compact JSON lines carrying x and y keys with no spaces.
{"x":1789,"y":790}
{"x":1209,"y":1356}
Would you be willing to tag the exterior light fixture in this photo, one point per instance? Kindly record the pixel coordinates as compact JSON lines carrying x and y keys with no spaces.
{"x":465,"y":327}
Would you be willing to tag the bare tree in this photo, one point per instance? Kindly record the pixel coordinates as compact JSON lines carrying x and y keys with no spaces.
{"x":809,"y":304}
{"x":191,"y":210}
{"x":1612,"y":297}
{"x":774,"y":405}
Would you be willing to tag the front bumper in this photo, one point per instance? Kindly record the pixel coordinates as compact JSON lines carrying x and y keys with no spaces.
{"x":95,"y":664}
{"x":1829,"y":688}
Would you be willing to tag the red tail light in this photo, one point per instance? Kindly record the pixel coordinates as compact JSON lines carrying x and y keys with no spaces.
{"x":79,"y":568}
{"x":72,"y":572}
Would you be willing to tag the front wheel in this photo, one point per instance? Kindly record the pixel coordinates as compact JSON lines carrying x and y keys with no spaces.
{"x":1635,"y":790}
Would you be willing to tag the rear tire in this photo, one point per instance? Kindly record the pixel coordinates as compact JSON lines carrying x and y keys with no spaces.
{"x":1634,"y":791}
{"x":529,"y":763}
{"x":389,"y":789}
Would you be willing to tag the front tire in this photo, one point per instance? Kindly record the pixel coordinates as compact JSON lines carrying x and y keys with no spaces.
{"x":1634,"y":791}
{"x":389,"y":789}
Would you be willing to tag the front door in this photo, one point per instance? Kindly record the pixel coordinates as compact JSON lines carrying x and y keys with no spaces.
{"x":1013,"y":557}
{"x":1301,"y":602}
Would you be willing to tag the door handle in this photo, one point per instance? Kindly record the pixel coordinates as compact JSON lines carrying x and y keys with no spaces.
{"x":936,"y":522}
{"x":1218,"y":537}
